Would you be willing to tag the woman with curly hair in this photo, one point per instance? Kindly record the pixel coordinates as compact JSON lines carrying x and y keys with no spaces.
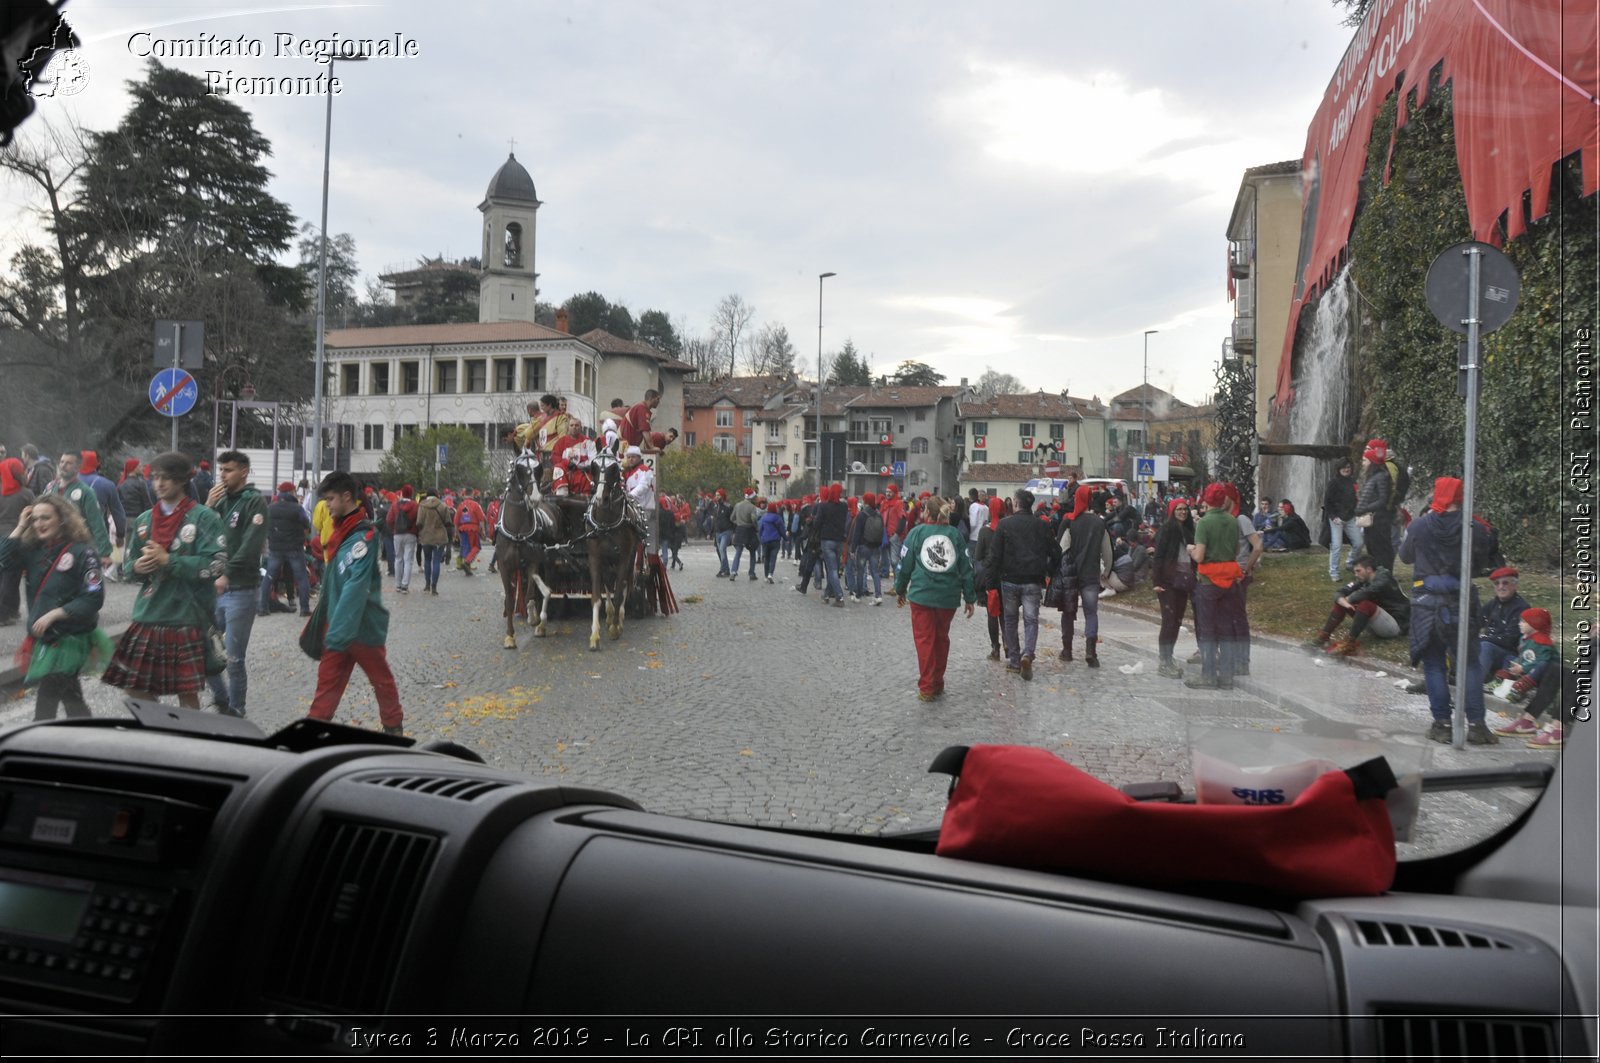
{"x":54,"y":549}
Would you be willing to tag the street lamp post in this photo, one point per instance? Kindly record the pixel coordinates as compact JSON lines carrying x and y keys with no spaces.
{"x":322,"y":273}
{"x":820,"y":278}
{"x":1144,"y":404}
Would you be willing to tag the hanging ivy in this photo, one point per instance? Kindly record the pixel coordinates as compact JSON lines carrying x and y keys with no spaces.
{"x":1405,"y":361}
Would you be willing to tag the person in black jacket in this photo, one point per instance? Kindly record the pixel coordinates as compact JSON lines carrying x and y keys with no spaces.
{"x":1174,"y":580}
{"x":980,"y":574}
{"x":1500,"y":634}
{"x":832,"y":518}
{"x":1373,"y":504}
{"x":1021,"y":558}
{"x":1287,"y":530}
{"x":1085,"y":559}
{"x":1339,"y":513}
{"x":287,"y":527}
{"x":722,"y":529}
{"x":1375,"y":602}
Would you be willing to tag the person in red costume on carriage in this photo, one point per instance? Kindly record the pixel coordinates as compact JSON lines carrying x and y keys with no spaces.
{"x":571,"y":456}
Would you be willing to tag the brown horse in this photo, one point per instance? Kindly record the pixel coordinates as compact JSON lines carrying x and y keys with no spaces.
{"x":613,"y":537}
{"x":528,"y":526}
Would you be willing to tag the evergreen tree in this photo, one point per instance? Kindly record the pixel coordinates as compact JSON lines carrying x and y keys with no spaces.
{"x":910,"y":374}
{"x":849,"y":367}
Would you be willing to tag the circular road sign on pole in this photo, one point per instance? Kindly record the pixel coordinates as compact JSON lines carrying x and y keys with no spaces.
{"x":173,"y":392}
{"x":785,"y":472}
{"x":1449,"y":287}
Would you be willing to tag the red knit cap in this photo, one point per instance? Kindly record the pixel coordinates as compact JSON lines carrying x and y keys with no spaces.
{"x":90,"y":462}
{"x":870,"y":499}
{"x":1215,"y":496}
{"x":1377,"y":451}
{"x":1447,"y":491}
{"x":1538,"y":619}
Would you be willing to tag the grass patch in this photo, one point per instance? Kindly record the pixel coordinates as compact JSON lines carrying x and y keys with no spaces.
{"x":1291,"y":595}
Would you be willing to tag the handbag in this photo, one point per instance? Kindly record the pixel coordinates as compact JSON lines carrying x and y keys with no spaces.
{"x":313,"y":637}
{"x":23,"y":658}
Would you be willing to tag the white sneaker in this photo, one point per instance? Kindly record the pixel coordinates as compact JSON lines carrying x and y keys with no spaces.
{"x":878,"y":600}
{"x":1108,"y":592}
{"x":855,"y":597}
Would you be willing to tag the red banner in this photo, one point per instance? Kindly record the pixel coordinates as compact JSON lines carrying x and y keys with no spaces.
{"x":1526,"y":93}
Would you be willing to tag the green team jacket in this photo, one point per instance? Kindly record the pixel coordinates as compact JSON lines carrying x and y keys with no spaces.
{"x":353,"y":586}
{"x":81,"y":495}
{"x":183,"y":593}
{"x":71,"y":580}
{"x":935,"y":571}
{"x":244,"y":515}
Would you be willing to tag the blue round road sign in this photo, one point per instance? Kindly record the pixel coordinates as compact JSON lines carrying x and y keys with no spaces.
{"x":173,"y":392}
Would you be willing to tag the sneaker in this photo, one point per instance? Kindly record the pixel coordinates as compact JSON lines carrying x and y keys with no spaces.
{"x":1092,"y":660}
{"x":1027,"y":668}
{"x":1200,"y":682}
{"x":838,"y":603}
{"x":855,"y":597}
{"x":1478,"y":734}
{"x":1194,"y":658}
{"x":1549,"y":737}
{"x":399,"y":731}
{"x":307,"y":612}
{"x":1108,"y":592}
{"x":798,"y":590}
{"x":1169,"y":669}
{"x":7,"y":621}
{"x":878,"y":600}
{"x":1521,"y":727}
{"x":1343,"y":648}
{"x":753,"y":578}
{"x":1416,"y":686}
{"x":1440,"y":732}
{"x":1315,"y":645}
{"x":224,"y":710}
{"x":769,"y":579}
{"x":994,"y":653}
{"x":1065,"y":655}
{"x":923,"y":695}
{"x":263,"y":612}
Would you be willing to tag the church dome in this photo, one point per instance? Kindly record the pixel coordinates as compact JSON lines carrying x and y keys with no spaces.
{"x":511,"y":181}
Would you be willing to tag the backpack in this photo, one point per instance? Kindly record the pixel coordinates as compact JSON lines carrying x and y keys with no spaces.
{"x":403,"y":523}
{"x":1400,"y":479}
{"x":872,"y":529}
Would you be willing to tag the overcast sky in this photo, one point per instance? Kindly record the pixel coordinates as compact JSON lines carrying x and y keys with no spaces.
{"x":1026,"y":186}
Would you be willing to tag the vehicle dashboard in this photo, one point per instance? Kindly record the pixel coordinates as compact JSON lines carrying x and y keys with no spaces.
{"x":181,"y":892}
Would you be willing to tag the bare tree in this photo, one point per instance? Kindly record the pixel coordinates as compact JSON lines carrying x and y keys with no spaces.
{"x":728,"y":323}
{"x":769,"y":352}
{"x":992,"y":383}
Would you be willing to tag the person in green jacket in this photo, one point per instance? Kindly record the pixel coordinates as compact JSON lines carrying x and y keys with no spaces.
{"x":177,"y":552}
{"x":82,"y":495}
{"x":935,"y":575}
{"x":53,"y":548}
{"x":244,"y":515}
{"x":351,"y":607}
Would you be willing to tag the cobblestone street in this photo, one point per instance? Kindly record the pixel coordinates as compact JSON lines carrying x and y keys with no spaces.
{"x":755,"y":705}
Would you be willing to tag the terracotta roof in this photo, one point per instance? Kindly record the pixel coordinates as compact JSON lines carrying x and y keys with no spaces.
{"x":606,"y":343}
{"x":740,"y":390}
{"x":1186,"y":413}
{"x":1042,"y":405}
{"x":897,"y":397}
{"x":465,"y":332}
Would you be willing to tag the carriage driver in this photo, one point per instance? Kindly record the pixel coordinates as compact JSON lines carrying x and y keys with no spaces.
{"x":640,"y":480}
{"x":574,"y":453}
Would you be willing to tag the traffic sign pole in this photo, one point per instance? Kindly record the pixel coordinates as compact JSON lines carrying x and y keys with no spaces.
{"x":177,"y":349}
{"x":1464,"y":633}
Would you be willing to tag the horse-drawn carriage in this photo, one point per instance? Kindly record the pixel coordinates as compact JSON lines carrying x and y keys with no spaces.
{"x":562,"y":549}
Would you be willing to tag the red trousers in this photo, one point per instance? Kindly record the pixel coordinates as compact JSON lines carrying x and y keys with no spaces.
{"x":471,"y":544}
{"x":930,"y":629}
{"x":333,"y":675}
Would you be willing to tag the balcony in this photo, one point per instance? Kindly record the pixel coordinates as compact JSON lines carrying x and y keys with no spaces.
{"x":1239,"y":259}
{"x":1244,"y":335}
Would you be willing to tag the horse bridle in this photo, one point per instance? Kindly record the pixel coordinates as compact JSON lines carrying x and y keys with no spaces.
{"x":529,"y":464}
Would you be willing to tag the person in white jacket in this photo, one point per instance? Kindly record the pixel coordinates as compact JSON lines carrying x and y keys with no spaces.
{"x":640,"y":482}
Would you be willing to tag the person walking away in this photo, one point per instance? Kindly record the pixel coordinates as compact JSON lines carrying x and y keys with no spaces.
{"x":1085,"y":559}
{"x":133,"y":490}
{"x":287,"y":526}
{"x":1174,"y":581}
{"x":745,"y":515}
{"x":1432,"y":548}
{"x":935,"y":576}
{"x":203,"y":481}
{"x":15,"y":498}
{"x":833,"y":517}
{"x":1251,"y":546}
{"x":1339,"y":510}
{"x":469,"y":523}
{"x":433,"y":532}
{"x":980,"y":579}
{"x":244,"y":518}
{"x":1376,"y":603}
{"x":178,"y":550}
{"x":51,"y":545}
{"x":403,"y":525}
{"x":357,"y":622}
{"x":976,"y":515}
{"x":895,"y":525}
{"x":82,"y":496}
{"x":110,"y":502}
{"x":1217,"y":594}
{"x":811,"y":547}
{"x":1022,"y":556}
{"x":866,"y":546}
{"x":769,"y":529}
{"x":1373,"y":509}
{"x":40,"y":470}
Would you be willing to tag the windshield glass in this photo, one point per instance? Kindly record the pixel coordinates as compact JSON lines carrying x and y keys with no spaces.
{"x":436,"y":302}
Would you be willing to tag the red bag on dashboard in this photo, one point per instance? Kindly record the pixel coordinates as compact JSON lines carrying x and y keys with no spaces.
{"x":1026,"y":807}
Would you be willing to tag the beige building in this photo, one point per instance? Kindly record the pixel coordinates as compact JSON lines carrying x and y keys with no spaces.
{"x":1013,"y":429}
{"x":1263,"y":250}
{"x":627,"y":369}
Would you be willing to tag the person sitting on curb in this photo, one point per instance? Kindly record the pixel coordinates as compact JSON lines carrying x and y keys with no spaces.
{"x":1501,"y":633}
{"x":1533,"y":657}
{"x":1287,"y":532}
{"x":1558,"y":684}
{"x":1375,"y":601}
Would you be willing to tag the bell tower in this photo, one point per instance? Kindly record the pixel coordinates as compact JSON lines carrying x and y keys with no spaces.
{"x":508,"y":284}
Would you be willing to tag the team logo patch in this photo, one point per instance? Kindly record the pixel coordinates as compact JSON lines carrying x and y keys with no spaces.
{"x":359,"y":550}
{"x":233,"y":519}
{"x":65,"y":564}
{"x":187,"y":534}
{"x":77,"y":494}
{"x":938,"y":555}
{"x":257,"y":519}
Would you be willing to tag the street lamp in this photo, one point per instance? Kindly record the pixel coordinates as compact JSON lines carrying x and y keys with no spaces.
{"x":1144,"y":404}
{"x":322,"y":270}
{"x":820,"y":278}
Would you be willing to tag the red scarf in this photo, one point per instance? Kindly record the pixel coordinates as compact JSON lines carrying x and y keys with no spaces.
{"x":164,"y":526}
{"x":342,"y":529}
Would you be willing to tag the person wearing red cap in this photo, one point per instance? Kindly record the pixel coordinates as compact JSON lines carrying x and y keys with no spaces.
{"x":1533,"y":657}
{"x":288,"y":524}
{"x":893,"y":508}
{"x":1499,"y":635}
{"x":105,"y":493}
{"x":1174,"y":580}
{"x":721,"y":529}
{"x":1433,"y":548}
{"x":769,"y":529}
{"x":1375,"y":504}
{"x":1218,"y":598}
{"x":935,"y":576}
{"x":1084,"y":540}
{"x":203,"y":481}
{"x":15,"y":498}
{"x":833,"y":524}
{"x":134,"y":489}
{"x":868,"y":539}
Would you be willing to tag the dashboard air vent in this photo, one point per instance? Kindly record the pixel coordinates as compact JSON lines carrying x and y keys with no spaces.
{"x":352,"y":906}
{"x":1464,"y":1037}
{"x":451,"y":787}
{"x":1375,"y":932}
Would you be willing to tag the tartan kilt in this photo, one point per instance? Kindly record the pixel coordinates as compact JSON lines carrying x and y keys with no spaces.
{"x":161,"y":660}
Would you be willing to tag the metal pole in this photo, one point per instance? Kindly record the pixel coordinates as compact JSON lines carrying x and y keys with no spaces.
{"x":820,"y":278}
{"x":1458,"y":722}
{"x":233,"y":427}
{"x":177,"y":345}
{"x":322,"y":290}
{"x":1144,"y":405}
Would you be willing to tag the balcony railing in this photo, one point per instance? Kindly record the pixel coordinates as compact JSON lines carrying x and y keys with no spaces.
{"x":1244,"y":334}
